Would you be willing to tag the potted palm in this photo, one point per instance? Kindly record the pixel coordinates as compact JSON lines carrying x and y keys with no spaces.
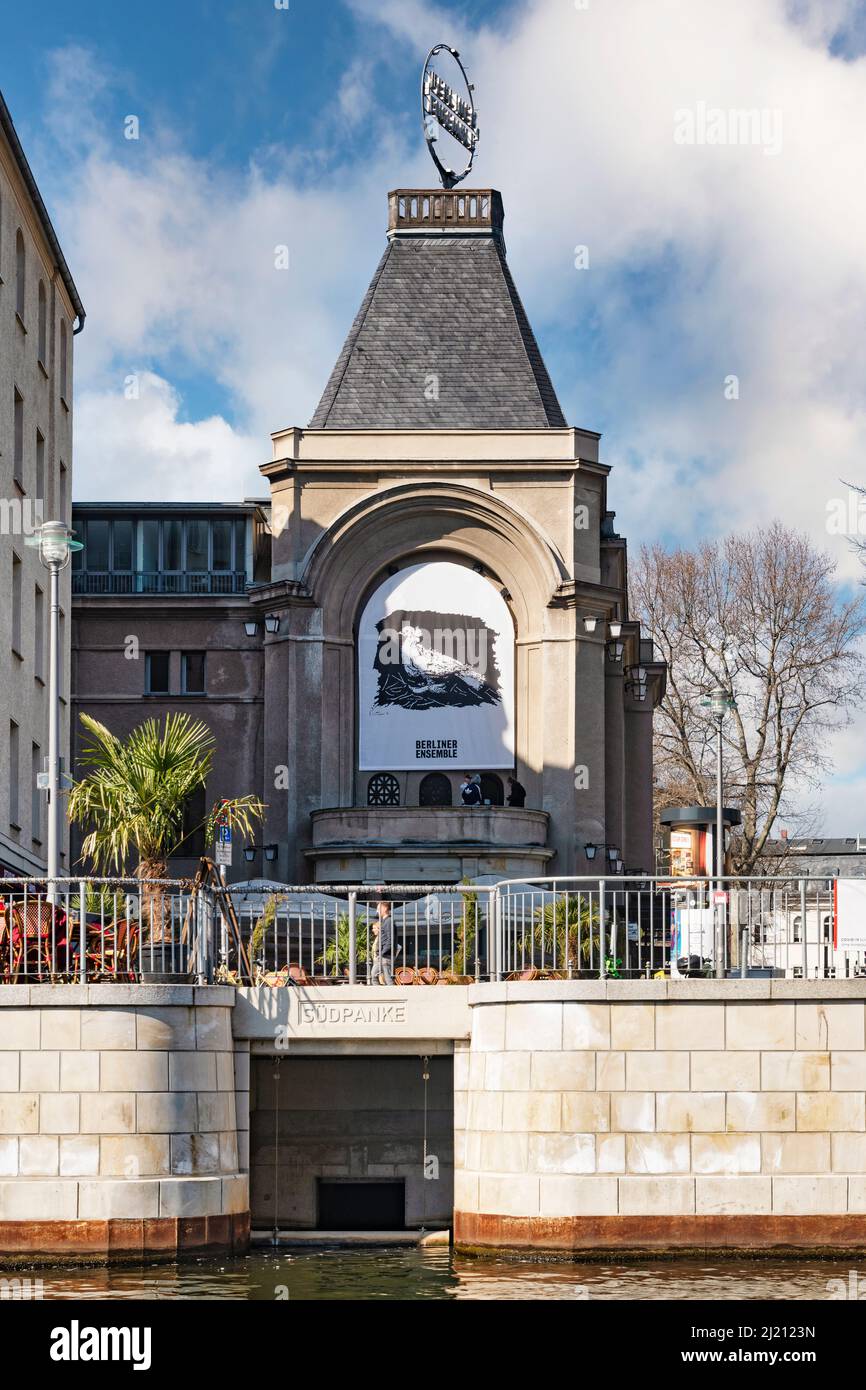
{"x":565,"y":935}
{"x":132,"y":800}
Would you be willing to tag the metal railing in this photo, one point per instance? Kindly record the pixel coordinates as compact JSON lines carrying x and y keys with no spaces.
{"x":85,"y":582}
{"x":123,"y":930}
{"x":554,"y":928}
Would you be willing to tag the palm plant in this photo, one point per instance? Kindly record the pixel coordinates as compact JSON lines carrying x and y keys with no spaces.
{"x":133,"y":798}
{"x":337,"y":953}
{"x":566,"y":932}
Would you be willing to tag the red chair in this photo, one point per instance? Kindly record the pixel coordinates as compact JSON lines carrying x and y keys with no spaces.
{"x":34,"y":938}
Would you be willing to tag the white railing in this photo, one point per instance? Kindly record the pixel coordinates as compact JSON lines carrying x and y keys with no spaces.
{"x":622,"y":927}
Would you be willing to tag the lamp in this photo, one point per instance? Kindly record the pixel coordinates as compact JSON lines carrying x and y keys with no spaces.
{"x":251,"y":627}
{"x":590,"y":851}
{"x":614,"y":650}
{"x":271,"y":853}
{"x":590,"y":623}
{"x":719,"y":701}
{"x":249,"y":853}
{"x":56,"y":544}
{"x":272,"y":622}
{"x":614,"y":629}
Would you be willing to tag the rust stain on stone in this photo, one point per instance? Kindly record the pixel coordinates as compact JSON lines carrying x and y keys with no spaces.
{"x":596,"y":1235}
{"x":118,"y":1240}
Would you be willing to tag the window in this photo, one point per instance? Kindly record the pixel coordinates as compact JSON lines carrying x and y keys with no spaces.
{"x":62,"y":498}
{"x":192,"y":672}
{"x":383,"y":790}
{"x":64,"y":385}
{"x":20,"y":274}
{"x":39,"y":635}
{"x":14,"y":776}
{"x":16,"y":604}
{"x":797,"y":924}
{"x":172,"y":541}
{"x":96,"y":544}
{"x":35,"y":795}
{"x":156,"y":673}
{"x":222,"y":544}
{"x":121,"y":544}
{"x":435,"y":790}
{"x":42,"y":330}
{"x":61,"y":648}
{"x":18,"y":456}
{"x":148,"y":541}
{"x":196,"y":545}
{"x":40,"y":467}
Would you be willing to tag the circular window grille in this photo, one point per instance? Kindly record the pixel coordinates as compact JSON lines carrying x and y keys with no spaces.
{"x":383,"y":790}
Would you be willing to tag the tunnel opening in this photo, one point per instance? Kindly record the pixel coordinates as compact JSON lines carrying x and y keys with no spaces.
{"x":358,"y":1142}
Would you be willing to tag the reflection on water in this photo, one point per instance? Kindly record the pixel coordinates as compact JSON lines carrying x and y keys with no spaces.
{"x":435,"y":1273}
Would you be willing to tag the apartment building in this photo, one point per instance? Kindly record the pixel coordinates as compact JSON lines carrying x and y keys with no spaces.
{"x":40,"y":314}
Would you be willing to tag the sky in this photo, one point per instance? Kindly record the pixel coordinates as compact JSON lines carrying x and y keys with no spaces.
{"x":697,"y":285}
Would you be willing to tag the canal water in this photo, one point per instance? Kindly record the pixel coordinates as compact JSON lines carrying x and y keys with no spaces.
{"x":334,"y":1274}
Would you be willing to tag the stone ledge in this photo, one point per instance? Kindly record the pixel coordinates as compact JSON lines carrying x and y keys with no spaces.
{"x":641,"y":1237}
{"x":663,"y":991}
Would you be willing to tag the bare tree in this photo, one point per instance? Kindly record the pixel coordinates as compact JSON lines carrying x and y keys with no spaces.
{"x":758,"y":614}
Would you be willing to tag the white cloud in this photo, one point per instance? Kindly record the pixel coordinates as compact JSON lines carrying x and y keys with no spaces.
{"x":134,"y":447}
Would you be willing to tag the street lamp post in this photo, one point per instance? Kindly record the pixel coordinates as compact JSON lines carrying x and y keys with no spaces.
{"x":719,"y":701}
{"x":56,"y":544}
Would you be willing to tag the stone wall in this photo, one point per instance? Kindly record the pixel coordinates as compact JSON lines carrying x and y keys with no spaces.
{"x":691,"y":1114}
{"x":118,"y":1121}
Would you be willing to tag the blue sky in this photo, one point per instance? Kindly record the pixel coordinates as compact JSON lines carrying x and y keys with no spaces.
{"x":262,"y":127}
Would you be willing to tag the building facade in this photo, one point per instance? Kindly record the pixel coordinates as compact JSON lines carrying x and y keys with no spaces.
{"x":40,"y":313}
{"x":439,"y":590}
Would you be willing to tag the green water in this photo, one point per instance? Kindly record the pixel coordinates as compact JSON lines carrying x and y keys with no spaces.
{"x":330,"y":1273}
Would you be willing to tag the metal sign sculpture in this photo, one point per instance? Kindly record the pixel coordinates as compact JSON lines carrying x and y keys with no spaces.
{"x":447,"y":113}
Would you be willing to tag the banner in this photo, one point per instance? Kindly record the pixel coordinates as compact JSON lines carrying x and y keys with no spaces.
{"x":436,"y":673}
{"x":849,"y":914}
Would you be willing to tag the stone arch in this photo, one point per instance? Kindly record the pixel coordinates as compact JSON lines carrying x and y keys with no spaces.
{"x":417,"y":519}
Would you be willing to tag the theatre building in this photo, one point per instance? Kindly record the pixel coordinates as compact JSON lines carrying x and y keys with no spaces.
{"x":434,"y":586}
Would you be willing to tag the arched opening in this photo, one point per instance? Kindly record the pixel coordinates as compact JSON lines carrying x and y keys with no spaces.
{"x":435,"y":790}
{"x":383,"y":789}
{"x":492,"y":789}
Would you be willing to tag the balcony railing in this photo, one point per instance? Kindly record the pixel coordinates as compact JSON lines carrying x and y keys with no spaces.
{"x":619,"y":927}
{"x":159,"y":582}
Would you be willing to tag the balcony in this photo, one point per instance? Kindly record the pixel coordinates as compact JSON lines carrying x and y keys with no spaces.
{"x":94,"y":582}
{"x":427,"y":843}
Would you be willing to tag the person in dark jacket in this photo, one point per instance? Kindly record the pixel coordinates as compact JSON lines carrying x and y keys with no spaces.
{"x":383,"y":946}
{"x":516,"y":793}
{"x":470,"y":789}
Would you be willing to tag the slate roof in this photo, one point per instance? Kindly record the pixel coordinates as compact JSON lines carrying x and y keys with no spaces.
{"x":441,"y":307}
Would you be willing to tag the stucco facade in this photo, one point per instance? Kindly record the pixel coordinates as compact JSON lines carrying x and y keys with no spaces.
{"x":39,"y":314}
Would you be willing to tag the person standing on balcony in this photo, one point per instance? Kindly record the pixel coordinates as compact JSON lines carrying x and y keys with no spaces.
{"x":470,"y":789}
{"x":383,"y":945}
{"x":516,"y":793}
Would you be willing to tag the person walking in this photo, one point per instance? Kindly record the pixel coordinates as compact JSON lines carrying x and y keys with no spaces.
{"x":516,"y":793}
{"x":383,"y":946}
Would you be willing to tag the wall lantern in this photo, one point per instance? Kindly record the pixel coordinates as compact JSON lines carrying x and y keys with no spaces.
{"x":614,"y":650}
{"x":272,"y":622}
{"x":249,"y":853}
{"x":251,"y":627}
{"x":270,"y":853}
{"x":590,"y":851}
{"x":590,"y":623}
{"x":614,"y":629}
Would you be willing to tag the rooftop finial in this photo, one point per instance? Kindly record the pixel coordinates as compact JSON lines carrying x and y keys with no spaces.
{"x":448,"y":117}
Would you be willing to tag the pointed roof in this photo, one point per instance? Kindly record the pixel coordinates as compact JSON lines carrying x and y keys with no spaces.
{"x":441,"y":340}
